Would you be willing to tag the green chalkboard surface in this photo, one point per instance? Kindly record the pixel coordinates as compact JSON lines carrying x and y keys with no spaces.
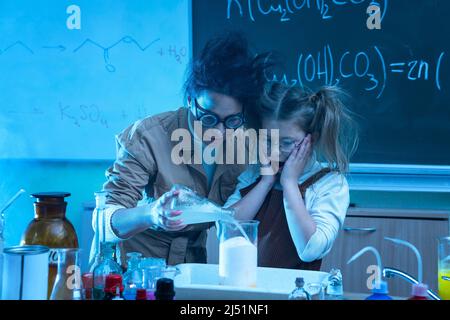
{"x":398,"y":76}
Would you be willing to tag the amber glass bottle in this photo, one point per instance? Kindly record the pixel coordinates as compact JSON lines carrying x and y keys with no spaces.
{"x":51,"y":228}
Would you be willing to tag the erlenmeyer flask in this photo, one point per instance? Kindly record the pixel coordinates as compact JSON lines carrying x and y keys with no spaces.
{"x":195,"y":208}
{"x":68,"y":278}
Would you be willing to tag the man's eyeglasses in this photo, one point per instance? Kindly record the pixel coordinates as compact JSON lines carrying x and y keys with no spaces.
{"x":210,"y":119}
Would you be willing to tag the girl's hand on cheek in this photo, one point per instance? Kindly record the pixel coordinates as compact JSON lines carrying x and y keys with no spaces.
{"x":269,"y":170}
{"x":296,"y":162}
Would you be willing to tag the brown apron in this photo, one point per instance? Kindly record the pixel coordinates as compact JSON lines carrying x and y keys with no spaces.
{"x":276,"y":248}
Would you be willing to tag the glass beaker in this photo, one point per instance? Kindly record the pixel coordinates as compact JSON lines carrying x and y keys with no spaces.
{"x":151,"y":262}
{"x":170,"y":272}
{"x":238,"y":253}
{"x":68,"y":277}
{"x":153,"y":273}
{"x":152,"y":268}
{"x":444,"y":268}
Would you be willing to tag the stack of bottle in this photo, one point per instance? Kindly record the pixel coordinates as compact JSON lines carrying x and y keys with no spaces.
{"x":143,"y":278}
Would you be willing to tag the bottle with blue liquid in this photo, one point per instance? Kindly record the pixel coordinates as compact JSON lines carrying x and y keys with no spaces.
{"x":380,"y":291}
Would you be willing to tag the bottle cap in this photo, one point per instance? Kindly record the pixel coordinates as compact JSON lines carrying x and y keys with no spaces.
{"x":112,"y":282}
{"x":419,"y":290}
{"x":88,"y":280}
{"x":141,"y":294}
{"x":380,"y":287}
{"x":299,"y":282}
{"x":50,"y":196}
{"x":164,"y":289}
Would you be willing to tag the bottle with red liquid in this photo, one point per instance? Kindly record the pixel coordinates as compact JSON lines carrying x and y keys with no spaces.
{"x":106,"y":269}
{"x":87,"y":280}
{"x":419,"y":292}
{"x":113,"y":287}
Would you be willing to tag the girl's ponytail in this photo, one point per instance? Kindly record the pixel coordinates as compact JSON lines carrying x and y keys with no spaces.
{"x":333,"y":130}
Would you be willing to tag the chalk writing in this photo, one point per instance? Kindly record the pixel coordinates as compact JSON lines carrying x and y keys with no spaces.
{"x":82,"y":114}
{"x":371,"y":66}
{"x":172,"y":51}
{"x":106,"y":49}
{"x":251,"y":9}
{"x":19,"y":44}
{"x":179,"y":54}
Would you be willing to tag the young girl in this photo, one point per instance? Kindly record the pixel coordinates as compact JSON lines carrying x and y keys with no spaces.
{"x":302,"y":206}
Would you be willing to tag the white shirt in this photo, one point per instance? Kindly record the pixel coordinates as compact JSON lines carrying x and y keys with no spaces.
{"x":327,"y":202}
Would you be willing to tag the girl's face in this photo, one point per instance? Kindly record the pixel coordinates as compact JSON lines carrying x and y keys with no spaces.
{"x":289,"y":136}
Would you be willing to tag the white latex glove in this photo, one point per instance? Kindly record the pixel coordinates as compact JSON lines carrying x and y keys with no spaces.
{"x":162,"y":216}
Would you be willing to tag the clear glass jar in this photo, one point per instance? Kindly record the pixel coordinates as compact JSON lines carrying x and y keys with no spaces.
{"x":133,"y":278}
{"x":107,"y":266}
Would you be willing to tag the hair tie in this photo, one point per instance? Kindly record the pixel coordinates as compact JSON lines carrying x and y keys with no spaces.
{"x":315,"y":97}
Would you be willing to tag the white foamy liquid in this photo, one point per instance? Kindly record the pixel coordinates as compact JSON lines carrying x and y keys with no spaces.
{"x":238,"y":262}
{"x":192,"y":215}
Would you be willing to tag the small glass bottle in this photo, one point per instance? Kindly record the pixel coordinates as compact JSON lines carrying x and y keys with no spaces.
{"x":100,"y":233}
{"x":133,"y":279}
{"x":335,"y":288}
{"x":299,"y":292}
{"x":379,"y":291}
{"x":107,"y":266}
{"x":419,"y":292}
{"x":50,"y":228}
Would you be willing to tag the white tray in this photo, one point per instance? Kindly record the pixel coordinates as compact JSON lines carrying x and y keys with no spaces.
{"x":201,"y":282}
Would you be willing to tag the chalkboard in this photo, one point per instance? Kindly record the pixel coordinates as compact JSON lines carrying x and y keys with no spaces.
{"x":75,"y":73}
{"x":398,"y":76}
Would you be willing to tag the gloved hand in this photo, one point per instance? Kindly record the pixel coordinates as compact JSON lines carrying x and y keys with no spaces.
{"x":161,"y":214}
